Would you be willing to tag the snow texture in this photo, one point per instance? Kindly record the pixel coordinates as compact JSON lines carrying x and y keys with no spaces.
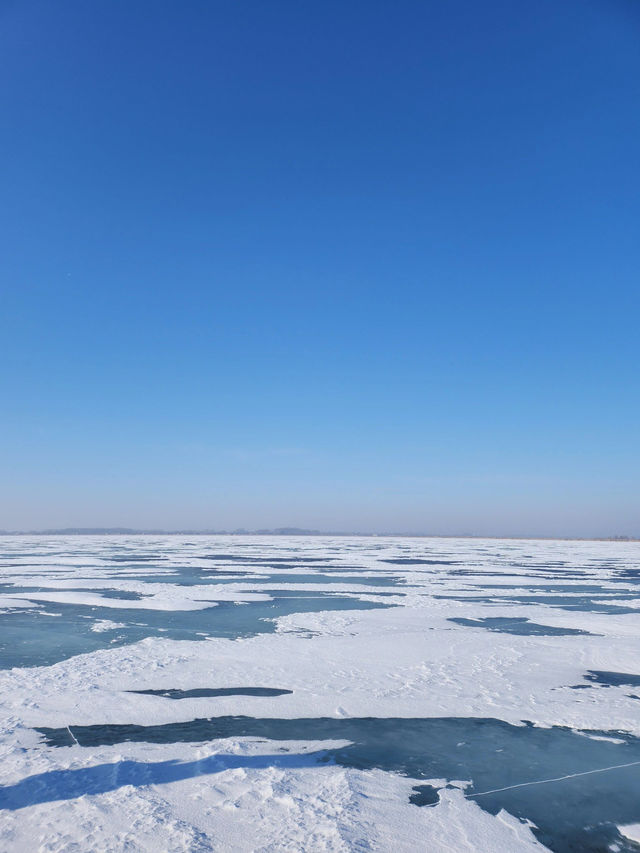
{"x":402,"y":659}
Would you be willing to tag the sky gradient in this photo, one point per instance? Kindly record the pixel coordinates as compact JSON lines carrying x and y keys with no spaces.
{"x":345,"y":265}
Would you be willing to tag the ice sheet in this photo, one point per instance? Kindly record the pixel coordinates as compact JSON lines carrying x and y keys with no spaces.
{"x":406,"y":660}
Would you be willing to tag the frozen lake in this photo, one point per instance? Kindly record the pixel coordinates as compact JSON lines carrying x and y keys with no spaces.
{"x":318,"y":693}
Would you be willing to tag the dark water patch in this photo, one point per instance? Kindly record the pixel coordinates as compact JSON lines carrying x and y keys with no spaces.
{"x":612,"y":679}
{"x":206,"y":692}
{"x":353,"y":571}
{"x":159,"y":576}
{"x":188,"y":576}
{"x":476,"y":599}
{"x":574,"y":789}
{"x":133,"y":557}
{"x":31,"y":565}
{"x":27,"y":555}
{"x":125,"y":595}
{"x":37,"y":638}
{"x":480,"y":574}
{"x":20,"y":589}
{"x":201,"y":576}
{"x":381,"y":593}
{"x":362,"y":580}
{"x":569,"y":572}
{"x":246,"y":558}
{"x":417,"y":561}
{"x":579,"y":603}
{"x":516,"y":625}
{"x":633,"y":575}
{"x":27,"y":591}
{"x":577,"y":588}
{"x":198,"y":576}
{"x":571,"y":603}
{"x":425,"y":795}
{"x":516,"y":581}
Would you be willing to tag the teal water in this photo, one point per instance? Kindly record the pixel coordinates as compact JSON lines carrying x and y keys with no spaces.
{"x":554,"y":777}
{"x":55,"y":632}
{"x":516,"y":625}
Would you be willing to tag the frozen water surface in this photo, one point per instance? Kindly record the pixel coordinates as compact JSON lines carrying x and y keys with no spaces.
{"x":207,"y":692}
{"x":576,"y":808}
{"x":515,"y":625}
{"x":248,"y":693}
{"x":54,"y":631}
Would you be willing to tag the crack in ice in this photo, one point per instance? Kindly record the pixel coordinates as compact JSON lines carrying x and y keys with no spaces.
{"x":556,"y":779}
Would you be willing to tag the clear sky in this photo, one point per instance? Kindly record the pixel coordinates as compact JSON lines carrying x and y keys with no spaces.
{"x":342,"y":264}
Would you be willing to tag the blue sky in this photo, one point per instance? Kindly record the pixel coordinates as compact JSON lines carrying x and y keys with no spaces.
{"x":343,"y":265}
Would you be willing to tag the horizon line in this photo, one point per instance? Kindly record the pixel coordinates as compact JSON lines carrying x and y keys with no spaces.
{"x":298,"y":531}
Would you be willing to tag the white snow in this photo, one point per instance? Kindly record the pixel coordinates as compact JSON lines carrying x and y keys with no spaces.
{"x":106,"y":625}
{"x":631,"y":831}
{"x":405,"y":661}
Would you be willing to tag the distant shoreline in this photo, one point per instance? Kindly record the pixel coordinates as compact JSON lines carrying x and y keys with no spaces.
{"x":293,"y":531}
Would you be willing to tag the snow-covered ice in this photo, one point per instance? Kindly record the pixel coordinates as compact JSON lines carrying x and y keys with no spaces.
{"x":416,"y":694}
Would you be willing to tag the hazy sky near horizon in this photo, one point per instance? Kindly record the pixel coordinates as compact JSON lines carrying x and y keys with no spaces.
{"x":343,"y":265}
